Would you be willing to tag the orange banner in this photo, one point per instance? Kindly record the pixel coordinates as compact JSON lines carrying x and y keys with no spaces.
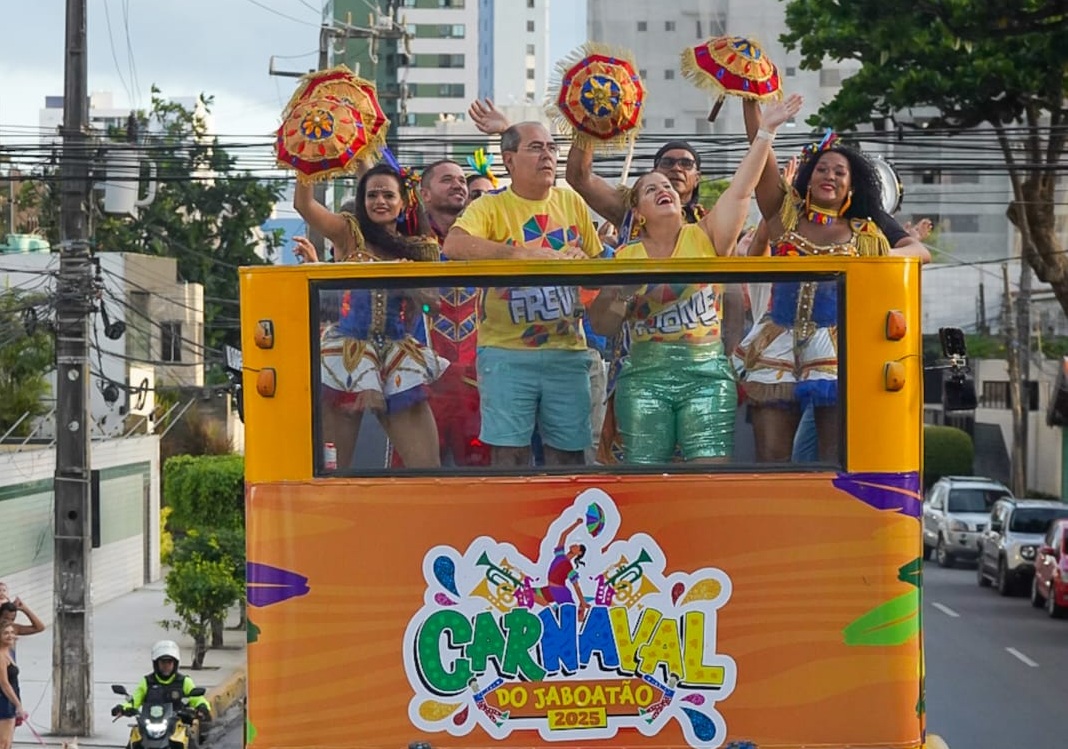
{"x":685,"y":610}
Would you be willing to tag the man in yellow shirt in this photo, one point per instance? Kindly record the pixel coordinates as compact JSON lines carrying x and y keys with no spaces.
{"x":533,"y":367}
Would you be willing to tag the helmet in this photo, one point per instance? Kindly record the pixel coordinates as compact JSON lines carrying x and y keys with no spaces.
{"x":166,"y":649}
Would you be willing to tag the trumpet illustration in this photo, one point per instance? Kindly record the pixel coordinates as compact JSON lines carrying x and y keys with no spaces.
{"x":625,"y":582}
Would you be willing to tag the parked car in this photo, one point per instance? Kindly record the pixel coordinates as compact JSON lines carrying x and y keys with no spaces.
{"x":1049,"y":586}
{"x":1009,"y":545}
{"x":955,"y":513}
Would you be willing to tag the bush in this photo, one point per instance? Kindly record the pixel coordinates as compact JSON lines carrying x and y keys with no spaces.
{"x":205,"y":491}
{"x":947,"y":451}
{"x":201,"y":591}
{"x":166,"y":540}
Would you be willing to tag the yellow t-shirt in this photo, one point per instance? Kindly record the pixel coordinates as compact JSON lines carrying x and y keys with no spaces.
{"x":532,"y":316}
{"x":675,"y":312}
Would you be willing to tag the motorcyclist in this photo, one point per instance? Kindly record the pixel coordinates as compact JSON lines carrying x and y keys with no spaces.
{"x":166,"y":684}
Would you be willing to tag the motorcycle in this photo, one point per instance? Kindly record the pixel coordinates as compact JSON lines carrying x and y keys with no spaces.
{"x":160,"y":726}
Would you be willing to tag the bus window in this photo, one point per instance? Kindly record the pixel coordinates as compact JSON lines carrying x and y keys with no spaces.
{"x":690,"y":371}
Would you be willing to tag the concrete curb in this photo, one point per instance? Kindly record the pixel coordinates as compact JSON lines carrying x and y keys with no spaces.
{"x":230,"y":691}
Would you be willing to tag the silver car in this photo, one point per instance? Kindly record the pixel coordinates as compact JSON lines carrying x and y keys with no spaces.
{"x":955,"y":513}
{"x":1008,"y":547}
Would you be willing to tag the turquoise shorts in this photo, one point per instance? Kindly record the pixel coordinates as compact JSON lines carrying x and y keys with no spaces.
{"x":550,"y":388}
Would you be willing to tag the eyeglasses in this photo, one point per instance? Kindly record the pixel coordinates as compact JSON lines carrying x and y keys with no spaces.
{"x":669,"y":162}
{"x":538,"y":147}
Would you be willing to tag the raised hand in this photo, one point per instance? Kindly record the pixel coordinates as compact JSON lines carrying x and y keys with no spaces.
{"x":789,"y":172}
{"x":921,"y":230}
{"x":778,"y":112}
{"x":487,"y":117}
{"x":305,"y":250}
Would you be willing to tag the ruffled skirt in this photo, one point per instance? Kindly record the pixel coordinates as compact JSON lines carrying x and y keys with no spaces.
{"x":383,"y":375}
{"x":779,"y":369}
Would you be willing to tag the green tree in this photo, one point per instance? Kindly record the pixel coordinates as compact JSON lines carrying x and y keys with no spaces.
{"x":947,"y":451}
{"x":1002,"y":63}
{"x":709,"y":190}
{"x":27,"y":354}
{"x":206,"y":213}
{"x":201,"y":591}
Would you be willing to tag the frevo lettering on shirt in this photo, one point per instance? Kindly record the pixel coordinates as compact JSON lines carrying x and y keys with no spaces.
{"x":530,"y":304}
{"x":698,"y":310}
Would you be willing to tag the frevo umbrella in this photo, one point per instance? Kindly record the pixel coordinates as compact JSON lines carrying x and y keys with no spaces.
{"x":734,"y":66}
{"x":600,"y":98}
{"x":320,"y":139}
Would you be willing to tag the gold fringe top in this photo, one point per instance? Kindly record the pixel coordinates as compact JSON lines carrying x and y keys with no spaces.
{"x":426,"y":248}
{"x":867,"y":240}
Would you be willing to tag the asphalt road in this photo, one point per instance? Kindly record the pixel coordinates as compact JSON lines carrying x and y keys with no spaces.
{"x":997,"y":669}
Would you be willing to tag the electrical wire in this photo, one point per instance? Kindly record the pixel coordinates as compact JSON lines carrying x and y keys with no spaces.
{"x":283,"y":15}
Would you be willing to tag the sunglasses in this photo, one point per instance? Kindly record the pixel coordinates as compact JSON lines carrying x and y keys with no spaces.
{"x":669,"y":162}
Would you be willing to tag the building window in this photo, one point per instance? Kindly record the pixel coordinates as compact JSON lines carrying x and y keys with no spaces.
{"x":530,"y":26}
{"x":171,"y":341}
{"x":530,"y":74}
{"x":699,"y":35}
{"x":530,"y":3}
{"x":931,"y":176}
{"x":530,"y":49}
{"x":669,"y":25}
{"x":830,"y":77}
{"x":669,"y":75}
{"x":437,"y":61}
{"x":962,"y":223}
{"x":642,"y":26}
{"x":669,"y":123}
{"x":446,"y":90}
{"x":643,"y":73}
{"x":138,"y":327}
{"x":791,"y":72}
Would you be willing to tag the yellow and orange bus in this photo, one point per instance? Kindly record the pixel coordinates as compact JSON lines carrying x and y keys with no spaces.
{"x":735,"y":604}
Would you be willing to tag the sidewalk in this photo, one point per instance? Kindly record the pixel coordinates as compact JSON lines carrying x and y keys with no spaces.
{"x":123,"y":631}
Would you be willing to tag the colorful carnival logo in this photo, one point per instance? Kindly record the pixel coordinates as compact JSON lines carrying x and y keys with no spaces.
{"x":593,"y":636}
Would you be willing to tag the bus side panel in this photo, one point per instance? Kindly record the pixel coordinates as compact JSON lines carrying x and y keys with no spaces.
{"x":780,"y":609}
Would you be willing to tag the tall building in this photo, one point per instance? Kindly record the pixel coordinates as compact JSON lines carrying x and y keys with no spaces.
{"x":103,"y":116}
{"x":658,"y":33}
{"x":513,"y":41}
{"x":454,"y":51}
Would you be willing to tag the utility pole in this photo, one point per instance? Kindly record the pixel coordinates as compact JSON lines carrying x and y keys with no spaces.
{"x":72,"y":682}
{"x":1015,"y":354}
{"x":1023,"y":336}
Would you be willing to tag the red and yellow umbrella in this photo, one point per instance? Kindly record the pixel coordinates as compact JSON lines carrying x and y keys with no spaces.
{"x":321,"y":138}
{"x":600,"y":97}
{"x":732,"y":65}
{"x":326,"y":91}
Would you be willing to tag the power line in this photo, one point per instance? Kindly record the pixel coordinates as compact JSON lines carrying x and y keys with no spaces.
{"x":283,"y":15}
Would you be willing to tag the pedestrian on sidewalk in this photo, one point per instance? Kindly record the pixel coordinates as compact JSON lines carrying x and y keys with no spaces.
{"x":10,"y":609}
{"x":10,"y":701}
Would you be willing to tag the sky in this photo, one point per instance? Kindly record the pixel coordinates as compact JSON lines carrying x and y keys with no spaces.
{"x":184,"y":47}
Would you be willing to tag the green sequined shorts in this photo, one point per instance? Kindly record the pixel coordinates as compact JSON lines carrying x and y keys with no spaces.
{"x":672,"y":395}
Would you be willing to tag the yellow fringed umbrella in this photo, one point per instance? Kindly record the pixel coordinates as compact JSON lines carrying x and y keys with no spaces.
{"x":321,"y":138}
{"x":600,"y":98}
{"x":732,"y":65}
{"x":331,"y":95}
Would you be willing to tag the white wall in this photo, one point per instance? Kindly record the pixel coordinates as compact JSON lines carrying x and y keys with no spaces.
{"x":116,"y":568}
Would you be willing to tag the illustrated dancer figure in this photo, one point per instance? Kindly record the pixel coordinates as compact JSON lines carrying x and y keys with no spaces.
{"x":497,"y":716}
{"x":562,"y":572}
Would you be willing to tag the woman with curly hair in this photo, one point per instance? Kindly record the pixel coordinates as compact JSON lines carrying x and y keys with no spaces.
{"x":370,"y":360}
{"x":789,"y":359}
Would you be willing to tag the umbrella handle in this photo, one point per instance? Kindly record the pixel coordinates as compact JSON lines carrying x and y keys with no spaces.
{"x":715,"y":109}
{"x":628,"y":159}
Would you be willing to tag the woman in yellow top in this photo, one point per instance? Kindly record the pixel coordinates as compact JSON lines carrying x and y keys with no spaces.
{"x":676,"y":387}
